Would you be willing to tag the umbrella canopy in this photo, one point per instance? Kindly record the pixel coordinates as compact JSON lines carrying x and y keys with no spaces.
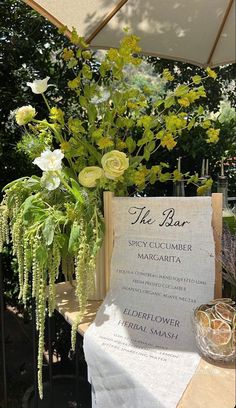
{"x":201,"y":32}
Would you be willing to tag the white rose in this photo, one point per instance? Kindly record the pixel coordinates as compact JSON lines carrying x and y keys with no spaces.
{"x":39,"y":86}
{"x":49,"y":161}
{"x":114,"y":164}
{"x":50,"y":180}
{"x":24,"y":115}
{"x":89,"y":175}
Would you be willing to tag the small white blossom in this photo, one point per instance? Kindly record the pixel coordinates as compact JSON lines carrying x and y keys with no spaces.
{"x":214,"y":115}
{"x":39,"y":86}
{"x":24,"y":115}
{"x":49,"y":161}
{"x":50,"y":180}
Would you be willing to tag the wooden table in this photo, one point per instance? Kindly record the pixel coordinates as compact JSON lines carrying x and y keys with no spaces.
{"x":212,"y":386}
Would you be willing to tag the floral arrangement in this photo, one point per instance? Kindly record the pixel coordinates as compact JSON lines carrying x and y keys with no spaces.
{"x":104,"y":142}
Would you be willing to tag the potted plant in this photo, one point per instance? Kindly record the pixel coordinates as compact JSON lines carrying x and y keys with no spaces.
{"x":102,"y":142}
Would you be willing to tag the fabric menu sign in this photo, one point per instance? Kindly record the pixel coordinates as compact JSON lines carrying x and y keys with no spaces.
{"x":140,"y":350}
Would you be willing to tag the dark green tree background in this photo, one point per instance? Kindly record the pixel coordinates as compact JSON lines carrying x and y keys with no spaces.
{"x":30,"y":49}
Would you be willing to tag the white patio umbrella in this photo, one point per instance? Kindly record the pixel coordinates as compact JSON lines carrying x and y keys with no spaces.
{"x":201,"y":32}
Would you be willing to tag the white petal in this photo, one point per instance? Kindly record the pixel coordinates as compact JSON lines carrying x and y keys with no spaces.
{"x":41,"y":163}
{"x":39,"y":86}
{"x":50,"y":181}
{"x":50,"y":161}
{"x":58,"y":153}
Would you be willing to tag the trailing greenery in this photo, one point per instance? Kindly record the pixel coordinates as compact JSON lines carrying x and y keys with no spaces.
{"x":49,"y":230}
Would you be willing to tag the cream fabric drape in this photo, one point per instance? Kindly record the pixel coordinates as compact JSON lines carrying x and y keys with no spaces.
{"x":198,"y":31}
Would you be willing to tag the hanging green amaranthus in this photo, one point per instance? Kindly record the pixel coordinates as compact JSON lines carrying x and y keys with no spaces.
{"x":49,"y":230}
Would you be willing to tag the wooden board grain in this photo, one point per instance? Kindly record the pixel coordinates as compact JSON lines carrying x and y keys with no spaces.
{"x":217,"y":231}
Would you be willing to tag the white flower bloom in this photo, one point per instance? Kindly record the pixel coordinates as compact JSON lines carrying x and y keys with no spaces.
{"x":39,"y":86}
{"x":24,"y":115}
{"x":50,"y":180}
{"x":49,"y":161}
{"x":214,"y":115}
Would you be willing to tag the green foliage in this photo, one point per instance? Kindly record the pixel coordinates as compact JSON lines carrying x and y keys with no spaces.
{"x":192,"y":144}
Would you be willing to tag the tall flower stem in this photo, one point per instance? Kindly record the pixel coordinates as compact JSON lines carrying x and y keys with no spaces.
{"x":46,"y":101}
{"x":66,"y":185}
{"x":64,"y":182}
